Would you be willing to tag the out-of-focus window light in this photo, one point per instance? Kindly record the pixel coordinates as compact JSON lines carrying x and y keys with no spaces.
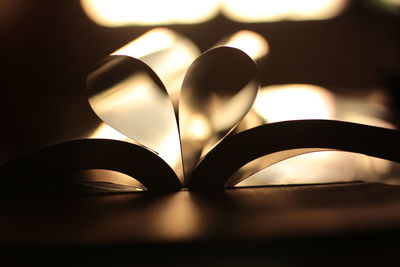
{"x":272,"y":10}
{"x":118,"y":13}
{"x":293,"y":102}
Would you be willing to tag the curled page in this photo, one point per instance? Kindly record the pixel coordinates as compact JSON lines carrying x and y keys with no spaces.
{"x":130,"y":159}
{"x":136,"y":91}
{"x":127,"y":95}
{"x":217,"y":92}
{"x":292,"y":138}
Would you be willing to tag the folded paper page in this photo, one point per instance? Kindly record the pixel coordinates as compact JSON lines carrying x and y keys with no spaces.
{"x":242,"y":154}
{"x":127,"y":95}
{"x":218,"y":91}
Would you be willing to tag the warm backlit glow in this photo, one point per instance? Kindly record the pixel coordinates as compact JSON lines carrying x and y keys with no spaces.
{"x":103,"y":131}
{"x":149,"y":111}
{"x":371,"y":108}
{"x":150,"y":42}
{"x":294,"y":102}
{"x":137,"y":107}
{"x":167,"y":150}
{"x":249,"y":42}
{"x":271,"y":10}
{"x":115,"y":13}
{"x":107,"y":180}
{"x":368,"y":120}
{"x":167,"y":53}
{"x":198,"y":128}
{"x":321,"y":167}
{"x":176,"y":217}
{"x":301,"y":101}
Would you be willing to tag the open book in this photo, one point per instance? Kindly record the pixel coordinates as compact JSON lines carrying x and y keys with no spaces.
{"x":184,"y":120}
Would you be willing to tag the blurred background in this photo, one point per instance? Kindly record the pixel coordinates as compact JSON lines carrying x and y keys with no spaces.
{"x":345,"y":50}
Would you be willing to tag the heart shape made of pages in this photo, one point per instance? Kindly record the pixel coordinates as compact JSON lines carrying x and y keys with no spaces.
{"x":218,"y":90}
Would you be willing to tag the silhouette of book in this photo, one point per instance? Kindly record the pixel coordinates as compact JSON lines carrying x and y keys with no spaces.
{"x":186,"y":121}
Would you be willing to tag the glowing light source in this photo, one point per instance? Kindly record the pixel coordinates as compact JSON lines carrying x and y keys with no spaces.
{"x":118,"y":13}
{"x":270,"y":10}
{"x":293,"y":102}
{"x":150,"y":12}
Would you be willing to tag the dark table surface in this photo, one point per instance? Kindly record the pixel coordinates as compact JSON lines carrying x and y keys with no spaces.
{"x":311,"y":223}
